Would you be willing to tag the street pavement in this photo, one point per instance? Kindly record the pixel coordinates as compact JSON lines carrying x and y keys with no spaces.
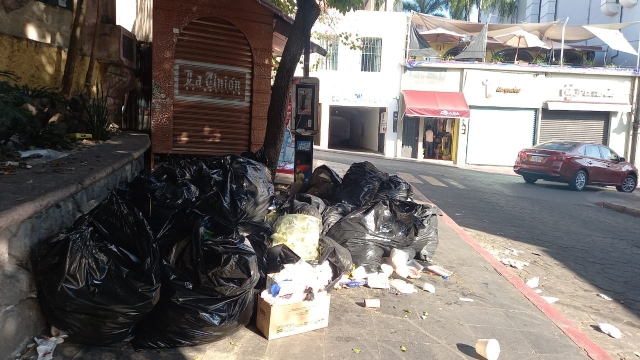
{"x":584,"y":249}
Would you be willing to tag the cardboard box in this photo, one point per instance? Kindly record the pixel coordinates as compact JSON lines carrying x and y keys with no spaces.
{"x":283,"y":320}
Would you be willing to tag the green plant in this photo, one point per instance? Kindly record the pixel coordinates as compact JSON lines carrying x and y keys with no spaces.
{"x":497,"y":58}
{"x":611,"y":64}
{"x":97,"y":112}
{"x":448,"y":58}
{"x":540,"y":59}
{"x":446,"y":152}
{"x":587,"y":63}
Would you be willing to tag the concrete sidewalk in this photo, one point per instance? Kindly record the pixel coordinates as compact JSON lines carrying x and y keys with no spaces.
{"x":499,"y":310}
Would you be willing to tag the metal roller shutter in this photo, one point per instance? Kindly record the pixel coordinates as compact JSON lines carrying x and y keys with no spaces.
{"x":587,"y":126}
{"x":497,"y":135}
{"x":213,"y":84}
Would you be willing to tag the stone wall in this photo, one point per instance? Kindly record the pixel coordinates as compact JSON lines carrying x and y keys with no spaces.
{"x":46,"y":214}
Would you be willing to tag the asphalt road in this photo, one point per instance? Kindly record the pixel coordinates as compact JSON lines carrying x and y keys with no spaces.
{"x":587,"y":244}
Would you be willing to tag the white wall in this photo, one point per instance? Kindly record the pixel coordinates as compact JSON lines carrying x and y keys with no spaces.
{"x":349,"y":86}
{"x":619,"y":131}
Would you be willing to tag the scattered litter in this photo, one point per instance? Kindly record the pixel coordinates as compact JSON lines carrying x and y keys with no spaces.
{"x":550,"y":299}
{"x":515,"y":263}
{"x":440,"y":270}
{"x":466,"y":299}
{"x":359,"y":273}
{"x":357,"y":351}
{"x":536,"y":253}
{"x":233,"y":343}
{"x":378,"y":281}
{"x":636,"y":353}
{"x":403,"y":286}
{"x":423,"y":317}
{"x":408,"y":311}
{"x":538,"y":291}
{"x":402,"y":348}
{"x":47,"y":346}
{"x":356,"y":283}
{"x":372,"y":303}
{"x":386,"y":269}
{"x":428,"y":287}
{"x":425,"y":313}
{"x":488,"y":348}
{"x":610,"y":330}
{"x":30,"y":182}
{"x":533,"y":282}
{"x":605,"y":297}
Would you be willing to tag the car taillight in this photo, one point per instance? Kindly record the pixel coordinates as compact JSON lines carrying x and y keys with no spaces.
{"x":562,"y":158}
{"x":522,"y":155}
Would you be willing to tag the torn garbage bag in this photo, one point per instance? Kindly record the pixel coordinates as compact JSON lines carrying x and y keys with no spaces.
{"x":360,"y":184}
{"x":337,"y":256}
{"x":394,"y":188}
{"x":325,"y":183}
{"x":207,"y":292}
{"x":300,"y":233}
{"x":333,"y":214}
{"x":372,"y":231}
{"x":99,"y":279}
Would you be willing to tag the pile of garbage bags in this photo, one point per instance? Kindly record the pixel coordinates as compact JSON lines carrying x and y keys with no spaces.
{"x":179,"y":256}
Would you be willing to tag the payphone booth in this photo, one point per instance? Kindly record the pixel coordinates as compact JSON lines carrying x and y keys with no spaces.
{"x":305,"y":101}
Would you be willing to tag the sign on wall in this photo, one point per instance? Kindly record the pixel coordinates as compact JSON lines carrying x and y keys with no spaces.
{"x":211,"y":83}
{"x":383,"y":123}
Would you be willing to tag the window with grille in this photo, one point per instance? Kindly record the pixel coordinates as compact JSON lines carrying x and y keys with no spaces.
{"x":371,"y":54}
{"x":331,"y":44}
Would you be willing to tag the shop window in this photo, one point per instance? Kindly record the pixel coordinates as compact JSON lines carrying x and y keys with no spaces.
{"x":371,"y":54}
{"x":67,"y":4}
{"x":331,"y":44}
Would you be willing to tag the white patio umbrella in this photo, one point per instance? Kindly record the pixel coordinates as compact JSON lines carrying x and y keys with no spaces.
{"x":440,"y":35}
{"x":520,"y":38}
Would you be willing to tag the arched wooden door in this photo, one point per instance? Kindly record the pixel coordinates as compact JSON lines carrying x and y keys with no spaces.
{"x":213,"y":86}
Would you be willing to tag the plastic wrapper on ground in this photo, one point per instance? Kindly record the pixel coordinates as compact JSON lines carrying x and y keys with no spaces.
{"x":207,"y":295}
{"x":300,"y":233}
{"x":360,"y":184}
{"x":325,"y":183}
{"x":395,"y":188}
{"x":371,"y":232}
{"x":97,"y":281}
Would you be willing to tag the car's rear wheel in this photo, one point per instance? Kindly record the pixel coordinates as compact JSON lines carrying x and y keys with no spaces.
{"x":579,"y":181}
{"x":628,"y":184}
{"x":529,"y":179}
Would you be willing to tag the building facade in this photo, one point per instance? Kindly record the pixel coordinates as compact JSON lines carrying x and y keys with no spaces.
{"x":360,"y":86}
{"x":511,"y":108}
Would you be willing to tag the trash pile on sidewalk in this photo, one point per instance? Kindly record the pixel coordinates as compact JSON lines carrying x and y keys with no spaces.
{"x":188,"y":253}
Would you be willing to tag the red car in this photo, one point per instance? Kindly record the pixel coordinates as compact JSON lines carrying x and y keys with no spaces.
{"x":578,"y":164}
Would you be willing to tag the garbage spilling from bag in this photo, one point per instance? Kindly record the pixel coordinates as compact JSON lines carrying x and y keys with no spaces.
{"x":186,"y":254}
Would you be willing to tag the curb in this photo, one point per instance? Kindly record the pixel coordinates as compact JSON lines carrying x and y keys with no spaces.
{"x":415,"y":161}
{"x":562,"y":322}
{"x":620,"y":208}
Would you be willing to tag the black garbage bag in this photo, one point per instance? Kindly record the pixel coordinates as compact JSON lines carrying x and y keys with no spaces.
{"x":303,"y":204}
{"x":426,"y":232}
{"x":371,"y":232}
{"x":394,"y":188}
{"x":333,"y":214}
{"x":325,"y":183}
{"x":259,"y":235}
{"x":360,"y":184}
{"x":278,"y":256}
{"x":245,"y":194}
{"x":98,"y":280}
{"x":338,"y":257}
{"x":259,"y":156}
{"x":207,"y":292}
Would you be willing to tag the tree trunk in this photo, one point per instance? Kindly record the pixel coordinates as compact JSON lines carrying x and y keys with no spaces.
{"x":88,"y":79}
{"x":72,"y":52}
{"x":276,"y":116}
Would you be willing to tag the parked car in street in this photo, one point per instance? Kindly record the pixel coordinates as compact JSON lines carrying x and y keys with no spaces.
{"x":577,"y":163}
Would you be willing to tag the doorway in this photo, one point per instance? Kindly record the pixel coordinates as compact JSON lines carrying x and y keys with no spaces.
{"x":410,"y":137}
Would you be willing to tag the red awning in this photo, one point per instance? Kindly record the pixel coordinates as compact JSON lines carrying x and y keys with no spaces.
{"x":436,"y":104}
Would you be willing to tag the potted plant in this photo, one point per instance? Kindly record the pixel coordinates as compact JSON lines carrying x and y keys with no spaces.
{"x":446,"y":154}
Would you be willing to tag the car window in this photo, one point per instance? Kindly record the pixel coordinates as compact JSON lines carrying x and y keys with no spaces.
{"x":608,"y":154}
{"x":556,"y":145}
{"x":583,"y":150}
{"x":592,"y":151}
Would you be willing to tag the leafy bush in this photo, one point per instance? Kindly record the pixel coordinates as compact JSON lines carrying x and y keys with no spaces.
{"x":98,"y":115}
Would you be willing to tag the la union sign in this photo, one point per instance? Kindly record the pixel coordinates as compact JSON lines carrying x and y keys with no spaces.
{"x":211,"y":83}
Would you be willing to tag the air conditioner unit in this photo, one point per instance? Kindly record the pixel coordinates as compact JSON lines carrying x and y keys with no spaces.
{"x":628,"y":3}
{"x":610,"y":7}
{"x":117,"y":45}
